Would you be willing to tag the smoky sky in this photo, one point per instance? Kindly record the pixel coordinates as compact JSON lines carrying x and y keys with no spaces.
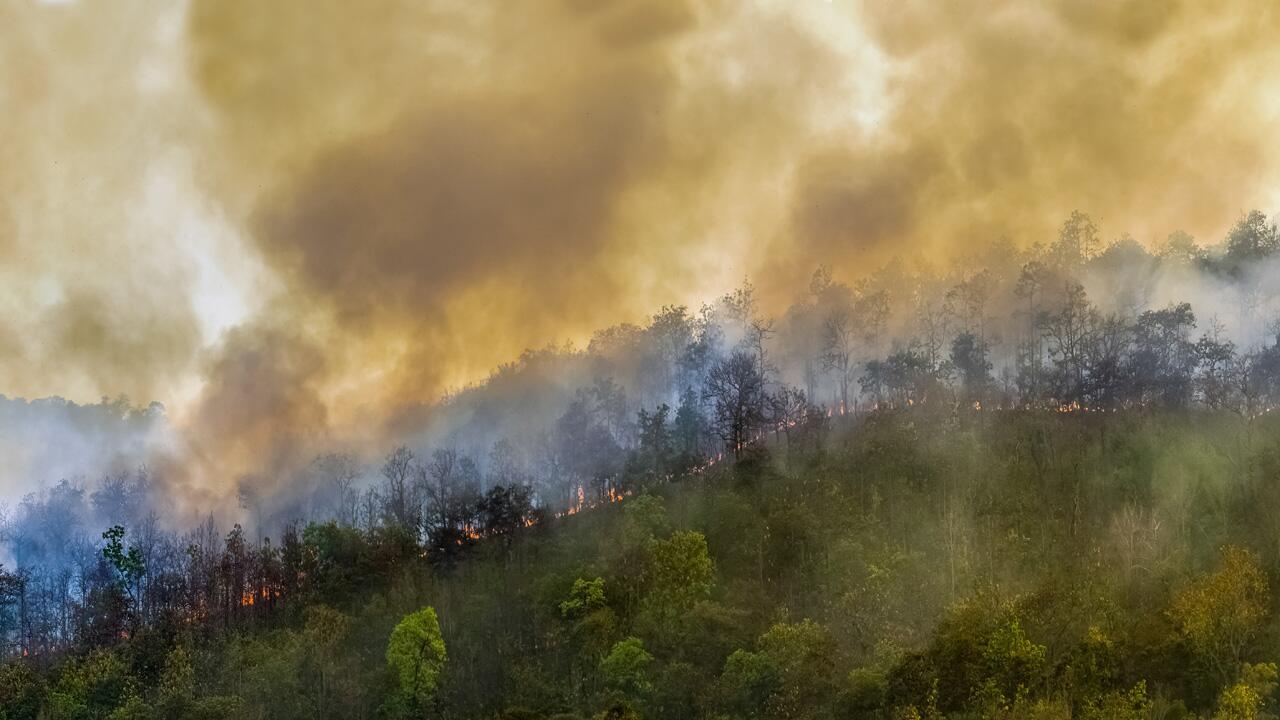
{"x":285,"y":220}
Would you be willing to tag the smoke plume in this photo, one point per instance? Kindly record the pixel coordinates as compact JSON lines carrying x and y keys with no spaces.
{"x":298,"y":223}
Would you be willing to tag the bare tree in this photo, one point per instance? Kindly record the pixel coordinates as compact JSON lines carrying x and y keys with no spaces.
{"x":967,"y":302}
{"x":398,"y":473}
{"x":338,"y":474}
{"x":441,"y":480}
{"x":837,"y":349}
{"x":1068,"y":332}
{"x":1031,"y":287}
{"x":735,"y":388}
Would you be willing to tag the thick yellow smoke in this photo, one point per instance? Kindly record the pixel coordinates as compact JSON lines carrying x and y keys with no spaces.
{"x":387,"y":199}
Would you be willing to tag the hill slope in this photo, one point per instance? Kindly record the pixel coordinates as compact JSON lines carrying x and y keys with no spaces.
{"x":913,"y":563}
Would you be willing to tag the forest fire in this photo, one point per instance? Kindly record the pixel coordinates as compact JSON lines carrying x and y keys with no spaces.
{"x":262,"y":594}
{"x":398,"y":289}
{"x":608,"y":497}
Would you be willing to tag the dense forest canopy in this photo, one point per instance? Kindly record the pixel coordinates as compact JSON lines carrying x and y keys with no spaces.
{"x":1040,"y":484}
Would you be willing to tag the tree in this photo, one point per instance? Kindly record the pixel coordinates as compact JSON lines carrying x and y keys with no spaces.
{"x":177,"y":683}
{"x":440,"y":483}
{"x":1106,"y":349}
{"x":802,"y":654}
{"x":1163,"y":356}
{"x":1031,"y":286}
{"x":748,"y":681}
{"x":592,"y":624}
{"x":626,"y":667}
{"x":967,"y":302}
{"x":788,"y":408}
{"x":687,"y":429}
{"x":399,"y":493}
{"x":740,"y":305}
{"x":1132,"y":704}
{"x":1078,"y":240}
{"x":1013,"y":665}
{"x":1252,"y":238}
{"x":644,"y":519}
{"x":12,"y":589}
{"x":1246,"y":698}
{"x":969,"y":358}
{"x":325,"y":630}
{"x":850,"y":321}
{"x":128,"y":563}
{"x":1215,"y":360}
{"x":680,"y":573}
{"x":585,"y":445}
{"x":416,"y":655}
{"x":1068,"y":333}
{"x":662,"y":345}
{"x":1219,"y":614}
{"x":735,"y":388}
{"x":903,"y":378}
{"x":837,"y":350}
{"x":758,"y":334}
{"x":934,"y":326}
{"x":585,"y":597}
{"x":121,"y":498}
{"x":504,"y":465}
{"x":337,"y":474}
{"x":89,"y":687}
{"x":505,"y":509}
{"x":790,"y":675}
{"x":872,"y":312}
{"x":21,"y":692}
{"x":654,"y":455}
{"x":1180,"y":247}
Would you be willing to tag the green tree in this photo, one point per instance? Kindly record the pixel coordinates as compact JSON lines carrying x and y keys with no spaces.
{"x":644,"y":518}
{"x":1092,"y":667}
{"x":1219,"y":614}
{"x":804,"y":655}
{"x":865,"y":692}
{"x":626,"y":667}
{"x":416,"y":655}
{"x":324,"y":634}
{"x":748,"y":681}
{"x":593,"y":624}
{"x":585,"y":597}
{"x":680,"y":574}
{"x":127,"y":562}
{"x":90,"y":687}
{"x":1116,"y":705}
{"x":1013,"y":665}
{"x":263,"y":671}
{"x":177,"y":683}
{"x":1246,"y":699}
{"x":791,"y":675}
{"x":20,"y":692}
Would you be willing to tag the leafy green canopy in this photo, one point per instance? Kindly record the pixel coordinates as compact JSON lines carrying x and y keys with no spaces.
{"x":416,"y":655}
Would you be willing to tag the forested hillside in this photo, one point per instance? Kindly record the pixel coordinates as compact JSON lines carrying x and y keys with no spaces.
{"x":1043,"y":485}
{"x":639,"y":360}
{"x":910,"y":563}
